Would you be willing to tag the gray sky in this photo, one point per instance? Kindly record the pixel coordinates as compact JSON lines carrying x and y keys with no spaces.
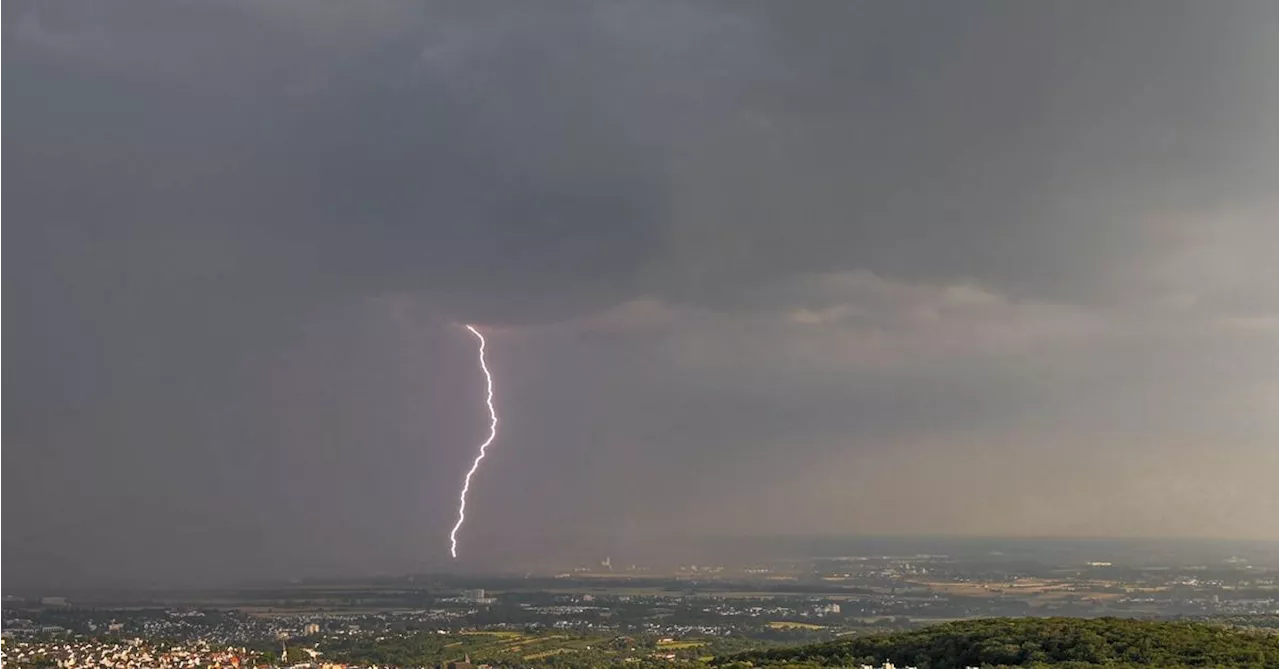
{"x":998,"y":268}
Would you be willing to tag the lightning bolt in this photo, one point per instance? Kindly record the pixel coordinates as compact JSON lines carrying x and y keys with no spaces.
{"x":493,"y":434}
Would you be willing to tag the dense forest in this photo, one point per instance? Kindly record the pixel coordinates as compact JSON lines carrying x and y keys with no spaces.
{"x":1036,"y":642}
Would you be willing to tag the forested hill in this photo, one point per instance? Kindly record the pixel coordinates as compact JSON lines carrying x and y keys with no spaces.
{"x":1036,"y":642}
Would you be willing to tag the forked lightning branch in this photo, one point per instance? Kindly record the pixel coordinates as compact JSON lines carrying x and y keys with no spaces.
{"x":493,"y":434}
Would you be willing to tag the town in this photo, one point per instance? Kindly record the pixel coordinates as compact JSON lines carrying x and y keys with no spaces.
{"x":686,"y":614}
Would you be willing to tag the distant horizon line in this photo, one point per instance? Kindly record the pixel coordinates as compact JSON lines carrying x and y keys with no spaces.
{"x":947,"y":536}
{"x":431,"y":566}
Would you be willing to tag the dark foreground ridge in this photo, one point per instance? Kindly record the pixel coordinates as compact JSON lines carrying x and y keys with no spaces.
{"x":1035,"y":642}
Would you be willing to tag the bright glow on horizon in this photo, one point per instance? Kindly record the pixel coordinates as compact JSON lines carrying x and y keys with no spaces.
{"x":493,"y":434}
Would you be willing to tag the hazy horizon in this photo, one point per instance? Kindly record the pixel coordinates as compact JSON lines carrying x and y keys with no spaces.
{"x":744,"y":268}
{"x":734,"y":552}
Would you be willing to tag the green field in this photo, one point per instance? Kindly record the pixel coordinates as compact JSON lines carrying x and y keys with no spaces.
{"x":502,"y":647}
{"x":784,"y":625}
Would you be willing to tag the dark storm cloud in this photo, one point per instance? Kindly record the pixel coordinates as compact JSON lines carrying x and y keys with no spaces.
{"x":208,"y":188}
{"x":703,"y":234}
{"x":1044,"y":149}
{"x":700,"y":145}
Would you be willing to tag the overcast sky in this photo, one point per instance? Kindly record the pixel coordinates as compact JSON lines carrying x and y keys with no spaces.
{"x":997,"y":268}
